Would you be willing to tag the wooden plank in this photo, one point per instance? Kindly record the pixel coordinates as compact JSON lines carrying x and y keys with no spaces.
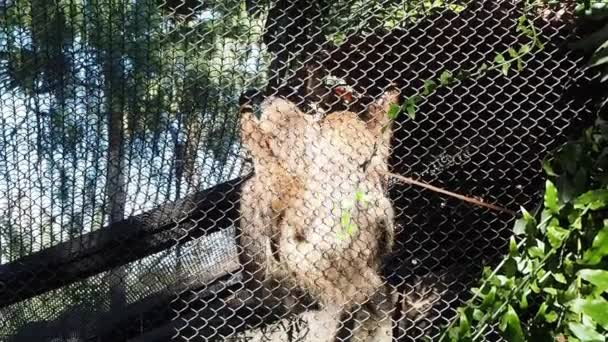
{"x":122,"y":242}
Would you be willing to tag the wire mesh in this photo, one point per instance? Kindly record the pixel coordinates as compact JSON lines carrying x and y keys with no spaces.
{"x":131,"y":211}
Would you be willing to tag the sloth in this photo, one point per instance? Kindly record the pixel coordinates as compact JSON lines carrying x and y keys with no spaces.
{"x":316,"y":221}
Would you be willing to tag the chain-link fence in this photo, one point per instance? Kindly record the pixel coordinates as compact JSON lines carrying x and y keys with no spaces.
{"x":220,"y":170}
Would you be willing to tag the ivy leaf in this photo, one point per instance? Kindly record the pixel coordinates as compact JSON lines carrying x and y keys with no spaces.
{"x":513,"y":250}
{"x":464,"y":324}
{"x":456,"y":8}
{"x":595,"y":199}
{"x":596,"y":308}
{"x":550,"y":290}
{"x":537,"y":251}
{"x":559,"y":278}
{"x":523,"y":303}
{"x":599,"y":60}
{"x":499,"y":59}
{"x":541,"y":310}
{"x":599,"y":247}
{"x":512,"y":52}
{"x":520,"y":227}
{"x":599,"y":278}
{"x":410,"y":107}
{"x":527,"y":216}
{"x":478,"y":315}
{"x":505,"y":68}
{"x":551,"y":317}
{"x":489,"y":298}
{"x":429,"y":87}
{"x":512,"y":326}
{"x":510,"y":267}
{"x":556,"y":235}
{"x":393,"y":111}
{"x":551,"y":199}
{"x":524,"y":49}
{"x":445,"y":78}
{"x":585,"y":333}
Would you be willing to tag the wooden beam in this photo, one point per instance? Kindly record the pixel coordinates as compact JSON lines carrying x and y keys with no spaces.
{"x":125,"y":241}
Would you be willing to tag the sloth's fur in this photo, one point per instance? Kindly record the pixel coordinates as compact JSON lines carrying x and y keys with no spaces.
{"x":292,"y":233}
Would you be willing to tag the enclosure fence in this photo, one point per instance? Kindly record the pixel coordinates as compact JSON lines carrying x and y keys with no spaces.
{"x":218,"y":170}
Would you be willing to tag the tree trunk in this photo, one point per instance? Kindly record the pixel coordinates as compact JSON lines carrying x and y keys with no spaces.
{"x":115,"y":182}
{"x":116,"y":194}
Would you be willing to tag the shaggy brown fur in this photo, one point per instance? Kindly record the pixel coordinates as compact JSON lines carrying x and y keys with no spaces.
{"x":306,"y":172}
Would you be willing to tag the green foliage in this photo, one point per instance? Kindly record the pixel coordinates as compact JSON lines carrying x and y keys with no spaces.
{"x":349,"y":228}
{"x":552,"y":284}
{"x":448,"y":78}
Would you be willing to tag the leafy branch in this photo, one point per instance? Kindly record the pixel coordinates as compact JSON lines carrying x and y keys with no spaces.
{"x":500,"y":62}
{"x":552,"y":284}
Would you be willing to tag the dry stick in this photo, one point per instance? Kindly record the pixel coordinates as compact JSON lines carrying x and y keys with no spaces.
{"x":409,"y":180}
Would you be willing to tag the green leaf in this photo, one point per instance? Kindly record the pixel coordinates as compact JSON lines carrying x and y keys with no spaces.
{"x":523,"y":302}
{"x":524,"y":49}
{"x":534,"y":287}
{"x":361,"y":197}
{"x":599,"y":247}
{"x":393,"y":111}
{"x":499,"y":59}
{"x":585,"y":333}
{"x":512,"y":52}
{"x":445,"y":78}
{"x":483,"y":67}
{"x":520,"y":65}
{"x":548,"y":167}
{"x":559,"y":278}
{"x":599,"y":278}
{"x":478,"y":315}
{"x":505,"y":68}
{"x":464,"y":324}
{"x":513,"y":250}
{"x":551,"y":317}
{"x":550,"y":290}
{"x":551,"y":199}
{"x":510,"y":267}
{"x":410,"y":108}
{"x":346,"y":217}
{"x":595,"y":199}
{"x":456,"y":8}
{"x":489,"y":298}
{"x":541,"y":310}
{"x":512,"y":326}
{"x":527,"y":216}
{"x":599,"y":60}
{"x":520,"y":227}
{"x":556,"y":235}
{"x":537,"y":251}
{"x":596,"y":308}
{"x":429,"y":87}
